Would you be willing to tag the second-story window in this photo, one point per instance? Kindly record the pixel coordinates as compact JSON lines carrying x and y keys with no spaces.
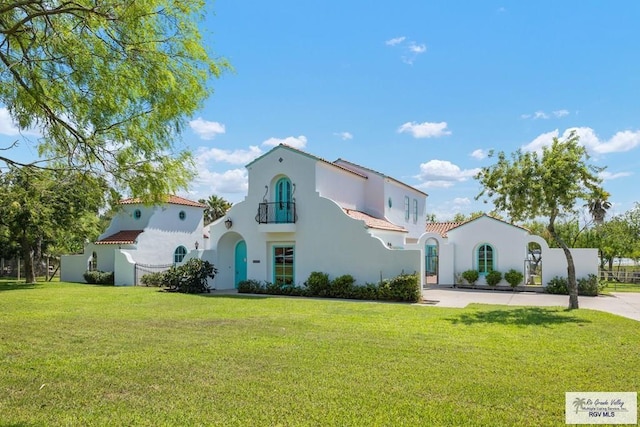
{"x":415,"y":211}
{"x":407,"y":207}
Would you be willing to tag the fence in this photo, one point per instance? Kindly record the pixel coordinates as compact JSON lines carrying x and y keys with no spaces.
{"x":142,"y":269}
{"x":626,"y":275}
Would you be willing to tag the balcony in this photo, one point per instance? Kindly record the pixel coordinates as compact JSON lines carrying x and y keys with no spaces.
{"x":277,"y":217}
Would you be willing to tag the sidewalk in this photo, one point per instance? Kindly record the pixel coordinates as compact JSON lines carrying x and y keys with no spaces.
{"x":626,"y":304}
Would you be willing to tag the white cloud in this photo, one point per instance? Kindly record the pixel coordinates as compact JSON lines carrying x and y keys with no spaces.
{"x":479,"y":154}
{"x":395,"y":41}
{"x":443,"y":174}
{"x":410,"y":48}
{"x":417,"y":48}
{"x":8,"y":126}
{"x":608,"y":176}
{"x":231,"y":181}
{"x":461,"y":201}
{"x":620,"y":142}
{"x":544,"y":116}
{"x":425,"y":130}
{"x":344,"y":135}
{"x":206,"y":129}
{"x":299,"y":142}
{"x":235,"y":157}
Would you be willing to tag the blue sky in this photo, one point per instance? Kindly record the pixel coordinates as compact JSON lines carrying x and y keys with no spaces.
{"x":418,"y":90}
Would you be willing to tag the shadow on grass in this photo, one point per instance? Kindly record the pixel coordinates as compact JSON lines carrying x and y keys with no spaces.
{"x":524,"y":316}
{"x":14,"y":285}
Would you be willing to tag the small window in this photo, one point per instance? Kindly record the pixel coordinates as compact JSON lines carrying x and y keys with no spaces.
{"x":390,"y":202}
{"x":485,"y":259}
{"x":415,"y":211}
{"x":93,"y":265}
{"x":407,"y":208}
{"x":283,"y":265}
{"x":182,"y":215}
{"x":137,"y":214}
{"x":179,"y":254}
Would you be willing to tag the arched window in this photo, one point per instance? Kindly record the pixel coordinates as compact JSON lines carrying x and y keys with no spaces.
{"x":485,"y":259}
{"x":179,"y":254}
{"x":93,"y":265}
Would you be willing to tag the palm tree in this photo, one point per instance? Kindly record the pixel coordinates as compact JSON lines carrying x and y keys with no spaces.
{"x":598,"y":209}
{"x":216,"y":208}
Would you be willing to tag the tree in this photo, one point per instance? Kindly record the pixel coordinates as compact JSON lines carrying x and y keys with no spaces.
{"x":109,"y":85}
{"x":548,"y":185}
{"x":217,"y":207}
{"x":40,"y":208}
{"x":598,"y":209}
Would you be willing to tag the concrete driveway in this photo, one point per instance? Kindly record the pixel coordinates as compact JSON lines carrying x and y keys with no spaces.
{"x":626,"y":304}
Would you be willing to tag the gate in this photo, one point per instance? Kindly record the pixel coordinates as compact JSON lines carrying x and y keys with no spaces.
{"x":142,"y":269}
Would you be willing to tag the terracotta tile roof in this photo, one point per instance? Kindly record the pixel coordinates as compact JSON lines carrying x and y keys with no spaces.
{"x":174,"y":200}
{"x":372,"y":222}
{"x":442,"y":228}
{"x":124,"y":237}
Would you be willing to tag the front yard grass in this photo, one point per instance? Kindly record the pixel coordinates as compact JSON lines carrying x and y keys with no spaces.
{"x":75,"y":354}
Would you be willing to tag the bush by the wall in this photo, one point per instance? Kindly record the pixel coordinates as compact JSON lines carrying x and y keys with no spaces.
{"x":190,"y":277}
{"x":471,"y":276}
{"x":99,"y":277}
{"x":493,"y":278}
{"x":152,"y":279}
{"x":318,"y":284}
{"x":587,"y":286}
{"x":342,"y":286}
{"x":251,"y":287}
{"x":513,"y":277}
{"x":557,"y":285}
{"x":590,"y":285}
{"x":405,"y":288}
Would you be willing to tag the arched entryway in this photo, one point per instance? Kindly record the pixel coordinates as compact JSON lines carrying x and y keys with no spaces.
{"x":240,"y":263}
{"x":533,"y":264}
{"x":431,"y":262}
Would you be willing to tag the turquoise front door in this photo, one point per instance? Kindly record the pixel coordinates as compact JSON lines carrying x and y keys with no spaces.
{"x":240,"y":263}
{"x":283,"y":201}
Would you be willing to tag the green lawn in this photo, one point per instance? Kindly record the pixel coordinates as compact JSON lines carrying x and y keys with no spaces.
{"x":89,"y":355}
{"x":621,"y":287}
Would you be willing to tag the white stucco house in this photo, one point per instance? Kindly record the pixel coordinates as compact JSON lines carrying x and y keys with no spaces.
{"x":485,"y":244}
{"x":139,"y":239}
{"x":304,"y":214}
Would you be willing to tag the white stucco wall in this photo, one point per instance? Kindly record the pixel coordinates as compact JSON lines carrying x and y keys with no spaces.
{"x":554,"y":263}
{"x":324,"y":237}
{"x":345,"y":188}
{"x":124,"y":269}
{"x":397,"y":213}
{"x":72,"y":267}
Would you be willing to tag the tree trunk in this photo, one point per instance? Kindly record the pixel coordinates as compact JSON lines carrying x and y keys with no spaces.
{"x":27,"y":257}
{"x":571,"y":268}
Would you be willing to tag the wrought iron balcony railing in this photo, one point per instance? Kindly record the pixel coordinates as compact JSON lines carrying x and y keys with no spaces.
{"x":277,"y":213}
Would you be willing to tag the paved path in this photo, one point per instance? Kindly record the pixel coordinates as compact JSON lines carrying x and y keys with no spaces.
{"x":625,"y":304}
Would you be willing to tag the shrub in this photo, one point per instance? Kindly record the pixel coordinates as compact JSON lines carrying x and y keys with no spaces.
{"x":493,"y":278}
{"x":405,"y":287}
{"x":152,"y":279}
{"x":190,"y":277}
{"x":99,"y":277}
{"x":471,"y":276}
{"x":318,"y":284}
{"x":251,"y":287}
{"x":513,"y":277}
{"x":342,"y":287}
{"x":587,"y":286}
{"x":557,"y":285}
{"x":590,"y":285}
{"x":367,"y":292}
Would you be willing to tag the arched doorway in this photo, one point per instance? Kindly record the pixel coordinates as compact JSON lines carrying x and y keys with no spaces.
{"x":283,"y":201}
{"x":431,"y":262}
{"x":533,"y":265}
{"x":240,"y":262}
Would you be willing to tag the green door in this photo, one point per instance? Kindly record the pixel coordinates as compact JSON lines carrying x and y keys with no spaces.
{"x":240,"y":263}
{"x":283,"y":201}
